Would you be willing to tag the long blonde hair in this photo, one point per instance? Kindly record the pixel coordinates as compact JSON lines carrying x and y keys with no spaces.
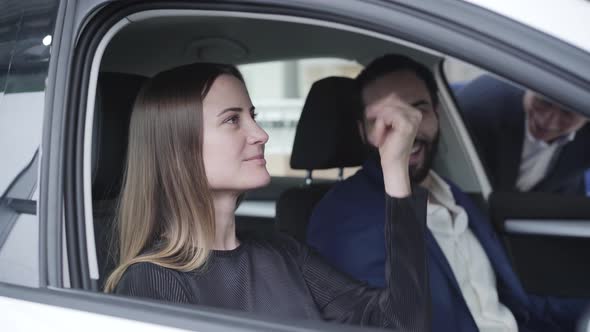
{"x":165,"y":214}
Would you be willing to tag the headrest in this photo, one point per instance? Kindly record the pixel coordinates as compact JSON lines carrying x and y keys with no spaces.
{"x":116,"y":94}
{"x":327,"y":134}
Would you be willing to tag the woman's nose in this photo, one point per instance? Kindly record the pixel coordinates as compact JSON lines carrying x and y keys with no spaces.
{"x":257,"y":135}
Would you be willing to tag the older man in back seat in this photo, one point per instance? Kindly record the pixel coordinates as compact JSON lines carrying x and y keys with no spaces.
{"x":472,"y":283}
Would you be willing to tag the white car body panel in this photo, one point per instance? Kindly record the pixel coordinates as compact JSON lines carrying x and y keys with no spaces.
{"x":59,"y":319}
{"x":563,"y":19}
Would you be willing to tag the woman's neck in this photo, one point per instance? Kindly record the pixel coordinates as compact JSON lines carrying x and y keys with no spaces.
{"x":225,"y":225}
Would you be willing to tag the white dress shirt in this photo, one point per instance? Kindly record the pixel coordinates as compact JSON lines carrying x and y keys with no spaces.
{"x":472,"y":269}
{"x":537,"y":158}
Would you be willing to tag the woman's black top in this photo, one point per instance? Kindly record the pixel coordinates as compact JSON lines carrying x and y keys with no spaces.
{"x":282,"y":277}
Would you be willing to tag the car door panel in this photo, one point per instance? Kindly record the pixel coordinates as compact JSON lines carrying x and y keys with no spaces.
{"x":547,"y":237}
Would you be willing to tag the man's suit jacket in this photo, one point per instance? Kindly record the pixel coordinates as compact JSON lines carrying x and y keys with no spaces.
{"x":493,"y":111}
{"x":346,"y":227}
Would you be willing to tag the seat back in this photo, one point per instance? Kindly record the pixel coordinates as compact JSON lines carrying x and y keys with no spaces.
{"x":115,"y":97}
{"x":326,"y":137}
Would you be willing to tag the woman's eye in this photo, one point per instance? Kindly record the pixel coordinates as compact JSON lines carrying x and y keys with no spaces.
{"x":233,"y":119}
{"x":254,"y":115}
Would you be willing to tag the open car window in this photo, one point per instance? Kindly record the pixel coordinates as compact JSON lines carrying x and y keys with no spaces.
{"x":278,"y":72}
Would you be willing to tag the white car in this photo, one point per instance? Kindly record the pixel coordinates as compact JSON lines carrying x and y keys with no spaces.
{"x":68,"y":67}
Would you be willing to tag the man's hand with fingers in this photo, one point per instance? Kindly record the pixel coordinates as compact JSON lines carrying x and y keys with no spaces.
{"x":394,"y":128}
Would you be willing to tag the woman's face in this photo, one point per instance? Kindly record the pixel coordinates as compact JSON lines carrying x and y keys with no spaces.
{"x":233,"y":143}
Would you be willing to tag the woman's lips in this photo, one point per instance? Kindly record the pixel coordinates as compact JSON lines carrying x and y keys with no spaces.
{"x":258,"y":159}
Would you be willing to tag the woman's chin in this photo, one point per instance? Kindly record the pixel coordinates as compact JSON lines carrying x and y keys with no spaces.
{"x":259,"y":180}
{"x":266,"y":180}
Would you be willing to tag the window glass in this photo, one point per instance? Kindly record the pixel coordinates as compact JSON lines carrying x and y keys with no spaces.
{"x":25,"y":36}
{"x":279,"y":105}
{"x":525,"y":141}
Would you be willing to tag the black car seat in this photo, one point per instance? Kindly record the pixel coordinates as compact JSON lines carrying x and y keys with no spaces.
{"x":327,"y":137}
{"x":116,"y":93}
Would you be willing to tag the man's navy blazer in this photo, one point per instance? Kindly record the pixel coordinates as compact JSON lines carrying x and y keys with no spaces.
{"x":347,"y":227}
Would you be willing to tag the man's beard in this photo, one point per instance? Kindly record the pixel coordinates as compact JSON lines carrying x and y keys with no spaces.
{"x":419,"y":172}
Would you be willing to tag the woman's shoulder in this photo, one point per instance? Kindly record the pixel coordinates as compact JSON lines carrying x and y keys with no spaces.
{"x":143,"y":268}
{"x":147,"y":272}
{"x":151,"y":280}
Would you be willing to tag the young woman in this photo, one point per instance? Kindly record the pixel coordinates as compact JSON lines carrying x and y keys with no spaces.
{"x":194,"y":148}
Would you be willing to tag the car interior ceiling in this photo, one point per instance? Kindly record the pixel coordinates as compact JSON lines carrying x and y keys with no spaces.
{"x":239,"y":41}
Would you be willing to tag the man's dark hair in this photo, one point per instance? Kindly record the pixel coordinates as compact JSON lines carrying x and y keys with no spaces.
{"x":392,"y":63}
